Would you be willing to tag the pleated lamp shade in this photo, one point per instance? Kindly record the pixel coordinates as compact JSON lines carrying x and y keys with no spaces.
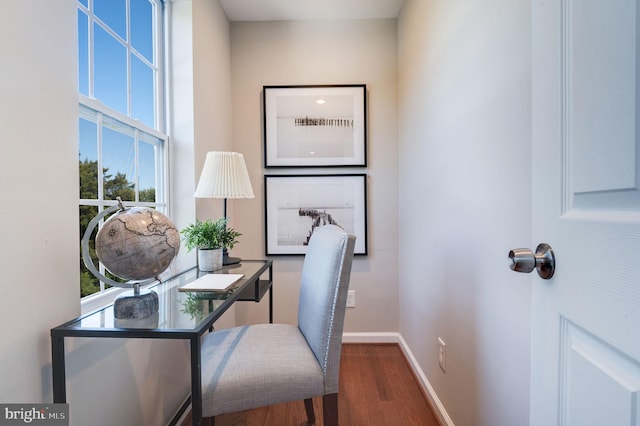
{"x":224,"y":175}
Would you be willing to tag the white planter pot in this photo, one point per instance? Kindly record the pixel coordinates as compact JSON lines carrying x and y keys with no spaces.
{"x":209,"y":260}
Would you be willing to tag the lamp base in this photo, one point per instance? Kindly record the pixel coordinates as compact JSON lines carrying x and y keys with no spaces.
{"x":228,"y":260}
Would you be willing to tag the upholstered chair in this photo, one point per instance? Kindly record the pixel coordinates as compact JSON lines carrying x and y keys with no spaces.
{"x":258,"y":365}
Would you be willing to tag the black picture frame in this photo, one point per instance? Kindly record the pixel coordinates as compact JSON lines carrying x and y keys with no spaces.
{"x":315,"y":126}
{"x":296,"y":204}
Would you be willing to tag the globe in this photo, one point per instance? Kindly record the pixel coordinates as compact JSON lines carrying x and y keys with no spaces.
{"x":137,"y":243}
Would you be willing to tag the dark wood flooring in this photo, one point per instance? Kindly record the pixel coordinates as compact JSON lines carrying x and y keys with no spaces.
{"x":377,"y":387}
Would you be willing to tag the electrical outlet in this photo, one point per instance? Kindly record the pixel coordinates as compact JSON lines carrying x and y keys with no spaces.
{"x":351,"y":299}
{"x":442,"y":355}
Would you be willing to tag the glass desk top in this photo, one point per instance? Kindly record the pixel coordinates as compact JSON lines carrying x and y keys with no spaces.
{"x":181,"y":311}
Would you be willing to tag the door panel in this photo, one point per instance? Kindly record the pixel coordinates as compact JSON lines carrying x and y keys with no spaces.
{"x":589,"y":363}
{"x":599,"y":57}
{"x":586,"y":319}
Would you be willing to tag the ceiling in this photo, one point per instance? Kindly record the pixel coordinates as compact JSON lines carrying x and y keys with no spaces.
{"x":302,"y":10}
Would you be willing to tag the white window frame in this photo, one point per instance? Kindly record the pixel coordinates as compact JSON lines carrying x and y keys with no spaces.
{"x":158,"y":60}
{"x":98,"y":299}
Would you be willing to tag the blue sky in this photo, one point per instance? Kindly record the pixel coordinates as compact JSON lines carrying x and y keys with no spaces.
{"x":110,"y":81}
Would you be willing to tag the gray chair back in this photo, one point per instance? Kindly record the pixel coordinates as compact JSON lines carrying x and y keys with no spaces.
{"x":323,"y":297}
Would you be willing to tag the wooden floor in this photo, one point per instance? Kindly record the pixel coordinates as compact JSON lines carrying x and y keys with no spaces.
{"x":377,"y":387}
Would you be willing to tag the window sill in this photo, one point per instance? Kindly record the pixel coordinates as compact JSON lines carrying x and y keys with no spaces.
{"x":99,"y":300}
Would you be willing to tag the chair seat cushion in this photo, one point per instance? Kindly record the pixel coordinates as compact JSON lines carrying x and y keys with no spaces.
{"x":257,"y":365}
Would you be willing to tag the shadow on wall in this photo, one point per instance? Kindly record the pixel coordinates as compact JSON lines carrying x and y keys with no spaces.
{"x":459,"y":316}
{"x":113,"y":381}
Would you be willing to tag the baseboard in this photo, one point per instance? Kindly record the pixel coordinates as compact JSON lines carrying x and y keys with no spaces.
{"x":391,"y":337}
{"x":182,"y":414}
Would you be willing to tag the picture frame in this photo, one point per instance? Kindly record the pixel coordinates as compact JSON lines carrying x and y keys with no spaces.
{"x":296,"y":204}
{"x":315,"y":126}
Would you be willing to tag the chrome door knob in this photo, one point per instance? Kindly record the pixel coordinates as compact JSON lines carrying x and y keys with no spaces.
{"x":524,"y":260}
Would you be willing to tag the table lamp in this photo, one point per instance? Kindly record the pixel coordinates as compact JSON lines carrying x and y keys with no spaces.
{"x":224,"y":175}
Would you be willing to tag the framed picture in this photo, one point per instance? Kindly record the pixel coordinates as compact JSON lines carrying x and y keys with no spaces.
{"x":295,"y":205}
{"x":315,"y":126}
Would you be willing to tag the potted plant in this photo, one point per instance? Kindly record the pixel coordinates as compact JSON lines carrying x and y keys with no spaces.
{"x":209,"y":238}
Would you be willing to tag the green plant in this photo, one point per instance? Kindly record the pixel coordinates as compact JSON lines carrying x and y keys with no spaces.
{"x":209,"y":235}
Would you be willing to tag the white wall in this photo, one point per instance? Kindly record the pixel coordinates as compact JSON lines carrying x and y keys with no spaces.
{"x":38,"y":190}
{"x":465,"y":200}
{"x":200,"y":104}
{"x":201,"y":111}
{"x":340,"y":52}
{"x":212,"y":91}
{"x":180,"y":117}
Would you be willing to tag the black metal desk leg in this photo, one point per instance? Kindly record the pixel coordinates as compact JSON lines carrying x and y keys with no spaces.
{"x":271,"y":294}
{"x":196,"y":388}
{"x":58,"y":372}
{"x":271,"y":305}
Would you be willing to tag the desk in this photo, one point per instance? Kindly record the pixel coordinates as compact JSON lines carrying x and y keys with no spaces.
{"x":181,"y":316}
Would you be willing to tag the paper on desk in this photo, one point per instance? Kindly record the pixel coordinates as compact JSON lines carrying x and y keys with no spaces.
{"x":212,"y":282}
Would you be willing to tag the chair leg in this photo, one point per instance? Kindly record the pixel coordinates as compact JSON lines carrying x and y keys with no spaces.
{"x":330,"y":409}
{"x":308,"y":406}
{"x":208,"y":421}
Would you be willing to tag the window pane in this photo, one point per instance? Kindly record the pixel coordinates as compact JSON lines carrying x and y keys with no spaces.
{"x":83,"y":53}
{"x":89,"y":284}
{"x":142,"y":99}
{"x":118,"y":161}
{"x":88,"y":159}
{"x":147,"y":178}
{"x":142,"y":27}
{"x":114,"y":14}
{"x":110,"y":71}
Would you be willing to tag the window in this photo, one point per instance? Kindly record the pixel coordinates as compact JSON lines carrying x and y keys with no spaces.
{"x":122,"y":147}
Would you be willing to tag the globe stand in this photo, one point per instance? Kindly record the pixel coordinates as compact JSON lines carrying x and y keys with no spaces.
{"x":131,"y":305}
{"x":136,"y":304}
{"x":151,"y":321}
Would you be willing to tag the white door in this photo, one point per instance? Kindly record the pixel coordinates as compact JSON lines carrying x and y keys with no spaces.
{"x":586,"y":198}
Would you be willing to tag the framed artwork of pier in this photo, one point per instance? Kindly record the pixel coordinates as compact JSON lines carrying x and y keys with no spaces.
{"x":295,"y":205}
{"x":315,"y":126}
